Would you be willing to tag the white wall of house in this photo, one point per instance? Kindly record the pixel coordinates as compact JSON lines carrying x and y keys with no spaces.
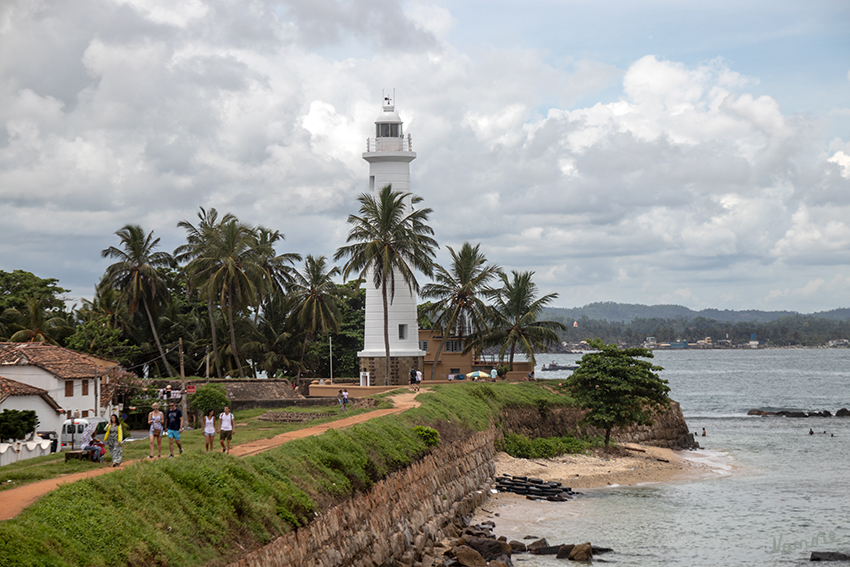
{"x":40,"y":378}
{"x":48,"y":419}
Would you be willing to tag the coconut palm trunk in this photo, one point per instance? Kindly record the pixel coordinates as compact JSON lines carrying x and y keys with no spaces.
{"x":386,"y":327}
{"x":233,"y":332}
{"x":156,"y":338}
{"x":214,"y":335}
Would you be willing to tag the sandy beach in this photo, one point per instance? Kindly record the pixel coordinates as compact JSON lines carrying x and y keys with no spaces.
{"x":624,"y":467}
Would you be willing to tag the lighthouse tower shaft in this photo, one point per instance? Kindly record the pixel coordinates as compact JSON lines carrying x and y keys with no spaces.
{"x":389,"y":155}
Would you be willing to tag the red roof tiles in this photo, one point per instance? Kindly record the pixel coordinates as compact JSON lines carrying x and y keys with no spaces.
{"x":61,"y":362}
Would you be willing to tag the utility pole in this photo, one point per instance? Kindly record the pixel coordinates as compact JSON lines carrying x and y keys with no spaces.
{"x":183,"y":394}
{"x":331,"y":346}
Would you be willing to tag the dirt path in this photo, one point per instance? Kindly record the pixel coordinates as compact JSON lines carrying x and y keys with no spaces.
{"x":14,"y":501}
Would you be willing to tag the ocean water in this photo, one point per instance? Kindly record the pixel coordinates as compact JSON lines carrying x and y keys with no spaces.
{"x":773,"y":493}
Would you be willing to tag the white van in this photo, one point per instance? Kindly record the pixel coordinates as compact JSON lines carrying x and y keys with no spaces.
{"x":72,"y":431}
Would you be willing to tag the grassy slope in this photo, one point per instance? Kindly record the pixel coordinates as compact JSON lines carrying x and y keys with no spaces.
{"x":205,"y":509}
{"x":249,"y":429}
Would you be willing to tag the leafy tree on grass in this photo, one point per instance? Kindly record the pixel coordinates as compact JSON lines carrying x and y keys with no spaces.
{"x":617,"y":388}
{"x":209,"y":397}
{"x":17,"y":424}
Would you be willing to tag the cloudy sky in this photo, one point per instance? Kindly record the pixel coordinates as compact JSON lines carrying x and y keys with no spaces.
{"x":658,"y":151}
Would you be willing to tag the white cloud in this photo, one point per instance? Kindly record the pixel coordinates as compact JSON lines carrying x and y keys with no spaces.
{"x":668,"y":180}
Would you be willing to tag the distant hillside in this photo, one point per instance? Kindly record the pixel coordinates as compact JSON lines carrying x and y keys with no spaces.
{"x":627,"y":312}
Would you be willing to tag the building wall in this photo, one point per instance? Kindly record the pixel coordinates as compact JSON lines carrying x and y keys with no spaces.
{"x":48,"y":419}
{"x":35,"y":376}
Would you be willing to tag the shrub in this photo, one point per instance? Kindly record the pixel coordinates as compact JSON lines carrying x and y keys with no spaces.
{"x":17,"y":424}
{"x":209,"y":397}
{"x":522,"y":447}
{"x":429,"y":435}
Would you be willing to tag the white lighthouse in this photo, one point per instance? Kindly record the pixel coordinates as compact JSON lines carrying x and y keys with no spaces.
{"x":389,"y":155}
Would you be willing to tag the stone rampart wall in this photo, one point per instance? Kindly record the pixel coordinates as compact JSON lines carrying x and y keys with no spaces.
{"x":668,"y":430}
{"x":408,"y":509}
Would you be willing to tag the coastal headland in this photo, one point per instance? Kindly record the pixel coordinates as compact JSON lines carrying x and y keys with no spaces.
{"x":368,"y":495}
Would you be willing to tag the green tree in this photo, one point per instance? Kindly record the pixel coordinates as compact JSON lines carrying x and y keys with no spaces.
{"x":229,"y":270}
{"x":197,"y":240}
{"x":95,"y":336}
{"x":514,"y":320}
{"x":617,"y":388}
{"x":34,"y":323}
{"x":389,"y":238}
{"x":209,"y":397}
{"x":137,"y":276}
{"x":17,"y":286}
{"x":459,"y":308}
{"x":17,"y":424}
{"x":317,"y":301}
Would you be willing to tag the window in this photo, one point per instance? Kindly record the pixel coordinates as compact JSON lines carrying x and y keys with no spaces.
{"x":371,"y":183}
{"x":69,"y":388}
{"x":86,"y":413}
{"x":388,"y":130}
{"x":402,"y":332}
{"x":454,"y":346}
{"x":85,"y":387}
{"x":423,"y":346}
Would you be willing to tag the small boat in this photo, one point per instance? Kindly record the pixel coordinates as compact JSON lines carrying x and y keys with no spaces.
{"x":553,"y":366}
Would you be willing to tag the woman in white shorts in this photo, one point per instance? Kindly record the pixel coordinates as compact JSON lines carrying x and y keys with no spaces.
{"x":209,"y":429}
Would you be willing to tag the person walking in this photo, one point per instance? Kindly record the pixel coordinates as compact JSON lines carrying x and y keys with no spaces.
{"x":413,"y":378}
{"x":175,"y":426}
{"x":226,"y":425}
{"x":339,"y":400}
{"x":114,"y":438}
{"x":155,"y":421}
{"x":345,"y":400}
{"x":209,"y":430}
{"x":418,"y":379}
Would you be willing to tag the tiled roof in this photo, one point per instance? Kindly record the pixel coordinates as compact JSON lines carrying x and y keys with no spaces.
{"x":61,"y":362}
{"x":14,"y":388}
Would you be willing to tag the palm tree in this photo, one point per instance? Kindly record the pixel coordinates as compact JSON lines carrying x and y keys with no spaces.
{"x":272,"y":344}
{"x":458,"y":292}
{"x":513,"y":319}
{"x":136,"y":275}
{"x":197,"y":238}
{"x":34,"y":323}
{"x":317,"y":300}
{"x":278,"y":271}
{"x":229,"y":271}
{"x":390,"y":239}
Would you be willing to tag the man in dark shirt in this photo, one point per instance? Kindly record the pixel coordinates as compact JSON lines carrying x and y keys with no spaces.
{"x":174,"y":418}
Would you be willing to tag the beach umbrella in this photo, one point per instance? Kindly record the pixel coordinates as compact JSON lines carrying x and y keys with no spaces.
{"x":478,"y":374}
{"x":88,"y":433}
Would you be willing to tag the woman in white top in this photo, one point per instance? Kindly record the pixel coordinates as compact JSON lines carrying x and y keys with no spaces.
{"x":209,"y":429}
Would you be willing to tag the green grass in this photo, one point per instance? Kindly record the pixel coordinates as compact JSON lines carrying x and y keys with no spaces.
{"x":249,"y":428}
{"x":522,"y":447}
{"x":204,"y":509}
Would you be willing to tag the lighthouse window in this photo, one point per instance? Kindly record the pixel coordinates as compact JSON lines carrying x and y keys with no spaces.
{"x":402,"y":332}
{"x":388,"y":130}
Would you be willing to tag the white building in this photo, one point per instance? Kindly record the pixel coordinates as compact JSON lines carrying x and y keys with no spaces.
{"x":389,"y":155}
{"x":70,"y":378}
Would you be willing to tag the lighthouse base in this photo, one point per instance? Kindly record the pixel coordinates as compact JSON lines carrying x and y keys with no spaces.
{"x":400,"y":367}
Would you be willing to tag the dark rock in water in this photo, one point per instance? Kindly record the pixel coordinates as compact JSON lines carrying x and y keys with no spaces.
{"x":797,"y":414}
{"x":582,"y":552}
{"x":564,"y":551}
{"x":489,"y":548}
{"x":826,"y":413}
{"x":598,"y":550}
{"x":517,"y":546}
{"x":843,"y":412}
{"x":829,"y":556}
{"x":755,"y":412}
{"x":531,"y":537}
{"x":502,"y":538}
{"x":539,"y":543}
{"x":545,"y":550}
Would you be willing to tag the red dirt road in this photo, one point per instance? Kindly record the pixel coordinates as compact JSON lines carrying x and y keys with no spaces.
{"x":14,"y":501}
